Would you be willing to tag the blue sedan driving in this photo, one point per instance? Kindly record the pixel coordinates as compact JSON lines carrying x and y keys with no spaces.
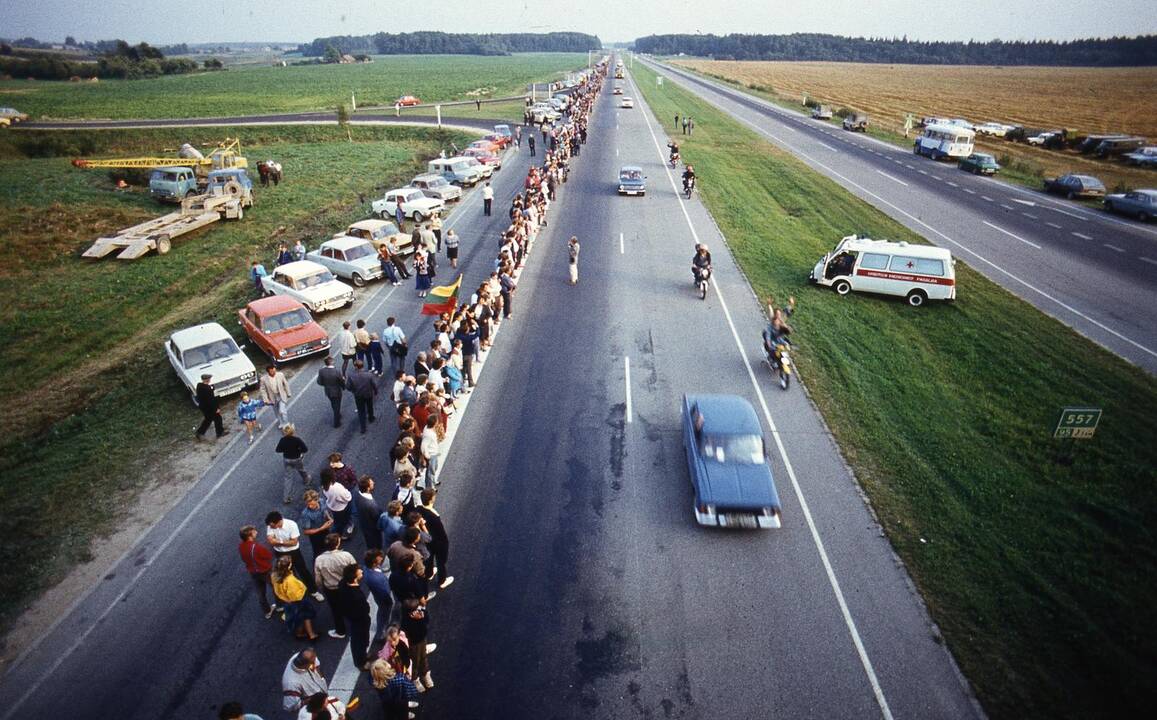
{"x":728,"y":463}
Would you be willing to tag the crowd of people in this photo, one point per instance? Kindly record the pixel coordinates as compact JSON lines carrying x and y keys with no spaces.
{"x":391,"y":513}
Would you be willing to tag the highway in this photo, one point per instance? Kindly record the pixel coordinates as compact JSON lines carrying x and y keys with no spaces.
{"x":583,"y":587}
{"x":1095,"y":272}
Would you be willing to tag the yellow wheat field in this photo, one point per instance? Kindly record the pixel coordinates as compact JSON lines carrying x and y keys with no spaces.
{"x":1090,"y":100}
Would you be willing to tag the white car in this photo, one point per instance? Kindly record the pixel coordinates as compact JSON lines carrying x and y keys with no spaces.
{"x":414,"y":204}
{"x":627,"y":103}
{"x":993,"y":129}
{"x":209,"y":349}
{"x":543,"y":112}
{"x":312,"y":285}
{"x":1039,"y":139}
{"x":482,"y":168}
{"x":350,"y":258}
{"x":377,"y":232}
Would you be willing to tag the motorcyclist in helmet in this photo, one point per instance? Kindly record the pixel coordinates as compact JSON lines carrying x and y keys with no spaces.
{"x":689,"y":177}
{"x":701,"y":262}
{"x":777,"y":330}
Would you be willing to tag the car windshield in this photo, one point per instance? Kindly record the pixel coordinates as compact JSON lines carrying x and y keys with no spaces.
{"x":314,"y":280}
{"x":435,"y":183}
{"x":216,"y":350}
{"x":743,"y":449}
{"x":286,"y":321}
{"x":359,"y":251}
{"x":631,"y":175}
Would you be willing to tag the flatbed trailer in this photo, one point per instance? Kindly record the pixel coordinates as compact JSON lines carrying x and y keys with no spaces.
{"x":158,"y":234}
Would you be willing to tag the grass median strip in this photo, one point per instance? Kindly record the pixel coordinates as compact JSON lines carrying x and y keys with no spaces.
{"x":1035,"y":558}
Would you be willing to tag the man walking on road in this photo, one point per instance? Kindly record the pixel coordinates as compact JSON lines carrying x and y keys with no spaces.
{"x":275,"y":393}
{"x":292,"y":450}
{"x":517,"y":136}
{"x":487,"y":199}
{"x":333,"y":384}
{"x":530,"y":143}
{"x":301,"y":680}
{"x":258,"y":563}
{"x":210,"y":408}
{"x":572,"y":249}
{"x":439,"y":541}
{"x":327,"y":572}
{"x":395,"y":341}
{"x":282,"y":534}
{"x":347,"y":345}
{"x":363,"y":386}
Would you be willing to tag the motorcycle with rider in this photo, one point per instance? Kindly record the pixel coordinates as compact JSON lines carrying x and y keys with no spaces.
{"x":776,"y":344}
{"x":701,"y":269}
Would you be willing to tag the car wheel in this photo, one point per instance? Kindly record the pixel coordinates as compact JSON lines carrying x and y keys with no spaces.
{"x":382,"y":215}
{"x":1109,"y":207}
{"x":1143,"y":216}
{"x":1071,"y":195}
{"x":359,"y":281}
{"x":916,"y":298}
{"x":842,"y":287}
{"x":418,"y":216}
{"x":164,"y":245}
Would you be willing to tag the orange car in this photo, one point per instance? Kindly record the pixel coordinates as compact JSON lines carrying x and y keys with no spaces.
{"x":498,"y":139}
{"x":408,"y":101}
{"x":486,"y":145}
{"x":486,"y":157}
{"x":282,"y":328}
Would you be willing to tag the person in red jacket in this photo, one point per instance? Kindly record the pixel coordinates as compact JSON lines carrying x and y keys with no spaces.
{"x":258,"y":561}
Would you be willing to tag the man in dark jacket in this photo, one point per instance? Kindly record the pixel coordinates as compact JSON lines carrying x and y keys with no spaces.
{"x":210,"y":408}
{"x":333,"y":384}
{"x":364,"y":388}
{"x":368,"y":512}
{"x":352,"y":604}
{"x":439,"y":543}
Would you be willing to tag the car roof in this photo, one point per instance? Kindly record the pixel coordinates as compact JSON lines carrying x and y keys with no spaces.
{"x":273,"y":305}
{"x":853,"y":243}
{"x":1147,"y":191}
{"x":428,"y":177}
{"x":300,"y":268}
{"x":199,"y":335}
{"x":628,"y":168}
{"x":726,"y":415}
{"x":344,"y":242}
{"x":406,"y":190}
{"x":1084,"y":178}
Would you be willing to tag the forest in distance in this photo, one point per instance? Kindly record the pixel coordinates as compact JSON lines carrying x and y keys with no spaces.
{"x":440,"y":43}
{"x":1093,"y":52}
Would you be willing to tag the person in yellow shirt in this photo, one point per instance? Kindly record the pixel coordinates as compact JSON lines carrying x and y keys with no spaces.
{"x":290,"y":593}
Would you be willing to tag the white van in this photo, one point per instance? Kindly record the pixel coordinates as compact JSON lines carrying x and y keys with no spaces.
{"x":914,"y":272}
{"x":456,"y":170}
{"x":941,"y":141}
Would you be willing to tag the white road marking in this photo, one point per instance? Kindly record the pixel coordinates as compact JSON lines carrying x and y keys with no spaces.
{"x":829,"y":147}
{"x":1149,"y":260}
{"x":987,"y":198}
{"x":922,"y":172}
{"x":1082,"y":236}
{"x":627,"y":381}
{"x":622,"y":248}
{"x":1006,"y":207}
{"x":1065,"y":212}
{"x":1030,"y":203}
{"x":970,"y":192}
{"x":616,"y":152}
{"x":1029,"y":215}
{"x":937,"y":178}
{"x":892,"y":178}
{"x":869,"y":669}
{"x":1114,"y":247}
{"x":952,"y":184}
{"x":1011,"y":235}
{"x":1054,"y":225}
{"x":910,"y":167}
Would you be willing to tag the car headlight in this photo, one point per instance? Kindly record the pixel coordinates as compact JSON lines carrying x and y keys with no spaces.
{"x":282,"y":352}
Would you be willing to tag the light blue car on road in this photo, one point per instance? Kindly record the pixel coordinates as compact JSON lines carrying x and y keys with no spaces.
{"x":347,"y":257}
{"x":632,"y":181}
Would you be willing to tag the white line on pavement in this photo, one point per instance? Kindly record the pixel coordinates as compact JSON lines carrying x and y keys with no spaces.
{"x":1006,"y":207}
{"x":910,"y":167}
{"x":1011,"y":235}
{"x":952,"y":184}
{"x":1053,"y":225}
{"x":829,"y":147}
{"x":987,"y":198}
{"x":1149,"y":260}
{"x":869,"y":669}
{"x":1066,"y":212}
{"x":1029,"y":215}
{"x":622,"y":248}
{"x":970,"y":192}
{"x":627,"y":382}
{"x":1114,"y":247}
{"x":1082,"y":236}
{"x":892,"y":178}
{"x":922,"y":172}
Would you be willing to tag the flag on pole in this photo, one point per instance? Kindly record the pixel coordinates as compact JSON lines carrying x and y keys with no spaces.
{"x":442,"y":299}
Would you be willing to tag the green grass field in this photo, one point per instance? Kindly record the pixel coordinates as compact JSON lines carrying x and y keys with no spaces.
{"x":248,"y":90}
{"x":1036,"y":558}
{"x":92,"y":404}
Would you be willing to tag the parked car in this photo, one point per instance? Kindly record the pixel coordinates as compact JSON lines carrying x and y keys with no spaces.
{"x":486,"y":157}
{"x":1090,"y":143}
{"x":485,"y":170}
{"x":1145,"y":157}
{"x":11,"y":116}
{"x":349,"y":258}
{"x":542,"y":112}
{"x":498,"y":139}
{"x":408,"y":101}
{"x":505,"y":131}
{"x":283,"y":329}
{"x":1119,"y":146}
{"x":208,"y":348}
{"x":993,"y":129}
{"x":486,"y":144}
{"x":313,"y":285}
{"x":1141,"y":204}
{"x":377,"y":232}
{"x":438,"y":187}
{"x":1075,"y":186}
{"x":1040,"y":138}
{"x":856,"y":122}
{"x":822,"y":112}
{"x":456,"y":170}
{"x":980,"y":164}
{"x":632,"y":181}
{"x":231,"y":181}
{"x":627,"y":102}
{"x":414,"y":204}
{"x":727,"y":461}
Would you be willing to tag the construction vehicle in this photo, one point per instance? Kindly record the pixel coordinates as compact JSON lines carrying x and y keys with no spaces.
{"x":226,"y":155}
{"x":229,"y":192}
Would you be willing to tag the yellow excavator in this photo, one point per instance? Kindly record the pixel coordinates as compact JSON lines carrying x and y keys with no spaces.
{"x":227,"y":154}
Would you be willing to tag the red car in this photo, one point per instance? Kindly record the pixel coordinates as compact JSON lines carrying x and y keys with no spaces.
{"x":408,"y":101}
{"x":282,"y":328}
{"x":486,"y":157}
{"x":500,"y":140}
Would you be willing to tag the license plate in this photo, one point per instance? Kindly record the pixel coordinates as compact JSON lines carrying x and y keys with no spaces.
{"x":736,"y":520}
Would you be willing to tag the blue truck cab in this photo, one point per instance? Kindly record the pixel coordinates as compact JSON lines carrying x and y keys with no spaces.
{"x":232,"y":181}
{"x":172,"y":184}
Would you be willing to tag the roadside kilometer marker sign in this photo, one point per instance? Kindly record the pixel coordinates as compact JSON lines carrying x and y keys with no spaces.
{"x":1077,"y":423}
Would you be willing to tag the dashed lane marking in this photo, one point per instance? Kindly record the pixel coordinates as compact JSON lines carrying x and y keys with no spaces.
{"x":1011,"y":235}
{"x":1082,"y":236}
{"x":1114,"y":247}
{"x":892,"y":178}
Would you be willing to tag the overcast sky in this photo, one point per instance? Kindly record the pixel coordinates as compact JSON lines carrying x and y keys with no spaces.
{"x":174,"y":21}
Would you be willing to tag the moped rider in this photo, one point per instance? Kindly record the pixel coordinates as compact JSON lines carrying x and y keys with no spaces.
{"x":701,"y":263}
{"x":689,"y":178}
{"x":778,"y":329}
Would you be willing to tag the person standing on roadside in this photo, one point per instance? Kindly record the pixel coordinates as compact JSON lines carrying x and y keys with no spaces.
{"x":258,"y":563}
{"x":430,"y":450}
{"x":439,"y":543}
{"x":333,"y":384}
{"x":347,"y":345}
{"x":395,"y":342}
{"x":210,"y":408}
{"x":301,"y":680}
{"x":275,"y":393}
{"x":399,"y":216}
{"x":315,"y":521}
{"x":247,"y":413}
{"x":572,"y":250}
{"x":390,"y":523}
{"x":452,"y":248}
{"x":395,"y":690}
{"x":387,"y":263}
{"x":436,"y":228}
{"x":517,"y":136}
{"x":361,"y":342}
{"x":327,"y":573}
{"x":378,"y":583}
{"x":487,"y":199}
{"x":530,"y":143}
{"x":290,"y":592}
{"x":337,"y":500}
{"x":285,"y":539}
{"x":355,"y":609}
{"x":234,"y":711}
{"x":292,"y":450}
{"x":676,"y":121}
{"x":368,"y":512}
{"x":363,"y":386}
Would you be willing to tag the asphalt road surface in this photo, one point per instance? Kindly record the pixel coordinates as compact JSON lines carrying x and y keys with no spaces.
{"x":1093,"y":271}
{"x":584,"y":588}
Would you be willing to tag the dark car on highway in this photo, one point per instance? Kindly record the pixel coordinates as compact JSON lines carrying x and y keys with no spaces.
{"x":980,"y":164}
{"x":1141,"y":204}
{"x":728,"y":463}
{"x":632,"y":181}
{"x":1075,"y":186}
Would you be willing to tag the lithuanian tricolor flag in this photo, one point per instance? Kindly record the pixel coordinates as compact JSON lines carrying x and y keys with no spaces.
{"x":442,"y":299}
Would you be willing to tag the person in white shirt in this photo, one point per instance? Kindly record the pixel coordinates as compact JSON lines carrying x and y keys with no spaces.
{"x":301,"y":680}
{"x":337,"y":500}
{"x":391,"y":336}
{"x":284,"y":537}
{"x":347,"y":345}
{"x":487,"y":198}
{"x":429,"y":449}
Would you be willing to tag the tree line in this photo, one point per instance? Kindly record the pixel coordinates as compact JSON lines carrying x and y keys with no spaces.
{"x":1093,"y":52}
{"x":440,"y":43}
{"x":116,"y":59}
